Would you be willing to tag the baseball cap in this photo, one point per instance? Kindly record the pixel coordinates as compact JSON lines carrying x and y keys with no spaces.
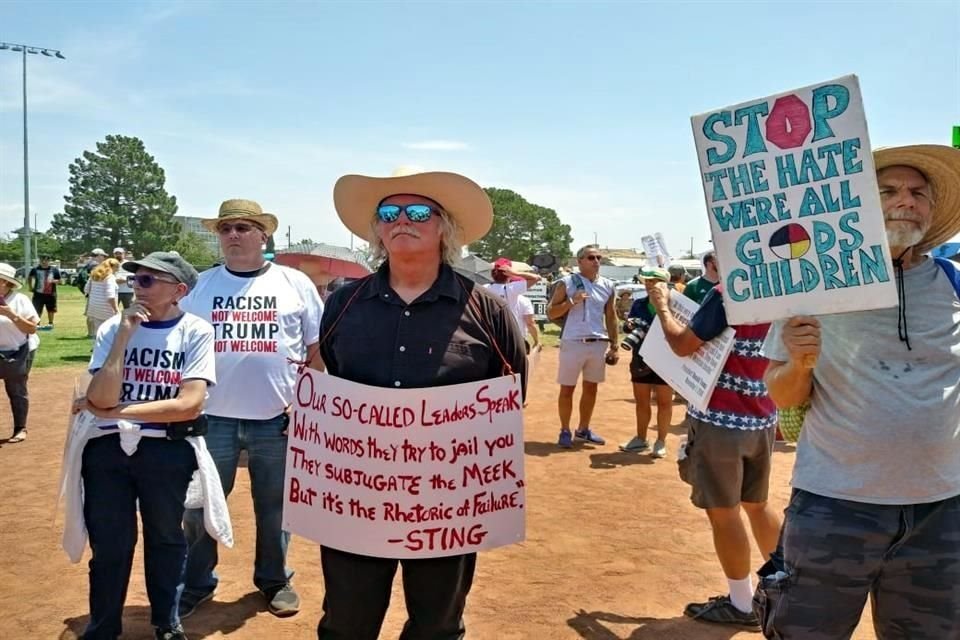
{"x":119,"y":250}
{"x":502,"y":263}
{"x":98,"y":252}
{"x":166,"y":262}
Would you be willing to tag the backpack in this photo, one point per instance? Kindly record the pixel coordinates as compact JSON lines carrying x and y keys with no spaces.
{"x":951,"y":271}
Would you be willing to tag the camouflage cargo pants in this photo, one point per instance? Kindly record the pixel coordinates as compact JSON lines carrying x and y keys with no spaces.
{"x":834,"y":553}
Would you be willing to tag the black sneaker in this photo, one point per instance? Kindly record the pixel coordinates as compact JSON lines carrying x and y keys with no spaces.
{"x":167,"y":633}
{"x":283,"y":602}
{"x":189,"y":603}
{"x":720,"y":610}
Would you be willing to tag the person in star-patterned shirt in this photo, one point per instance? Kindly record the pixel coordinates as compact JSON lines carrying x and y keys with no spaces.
{"x":728,"y":451}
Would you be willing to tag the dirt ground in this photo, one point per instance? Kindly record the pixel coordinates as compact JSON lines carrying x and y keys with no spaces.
{"x":614,"y":548}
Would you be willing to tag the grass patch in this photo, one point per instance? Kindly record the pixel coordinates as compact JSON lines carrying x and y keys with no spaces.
{"x":67,"y":344}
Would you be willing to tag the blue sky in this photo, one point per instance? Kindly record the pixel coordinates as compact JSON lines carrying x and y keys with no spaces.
{"x":583,"y":107}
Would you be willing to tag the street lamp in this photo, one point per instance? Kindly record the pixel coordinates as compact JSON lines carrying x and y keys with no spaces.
{"x":50,"y":53}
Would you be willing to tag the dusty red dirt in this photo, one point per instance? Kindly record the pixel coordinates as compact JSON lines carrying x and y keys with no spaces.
{"x":614,"y":548}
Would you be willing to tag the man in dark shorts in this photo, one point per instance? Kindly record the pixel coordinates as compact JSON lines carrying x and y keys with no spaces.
{"x":43,"y":281}
{"x":726,"y":459}
{"x":645,"y":381}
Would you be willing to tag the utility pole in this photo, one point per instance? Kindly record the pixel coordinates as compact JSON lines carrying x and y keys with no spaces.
{"x":288,"y":237}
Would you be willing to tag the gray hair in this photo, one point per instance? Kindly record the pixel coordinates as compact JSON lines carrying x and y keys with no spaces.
{"x":582,"y":251}
{"x":450,"y":247}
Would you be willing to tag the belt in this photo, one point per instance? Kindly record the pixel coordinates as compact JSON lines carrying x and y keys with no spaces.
{"x":143,"y":425}
{"x":586,"y":340}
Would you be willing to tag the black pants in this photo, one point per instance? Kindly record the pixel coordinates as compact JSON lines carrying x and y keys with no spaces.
{"x":358,"y":595}
{"x":16,"y":387}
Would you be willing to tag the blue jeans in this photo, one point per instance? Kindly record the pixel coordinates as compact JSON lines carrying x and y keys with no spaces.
{"x":157,"y":474}
{"x":266,"y":447}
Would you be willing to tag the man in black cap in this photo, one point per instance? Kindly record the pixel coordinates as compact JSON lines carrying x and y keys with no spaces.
{"x":151,"y":367}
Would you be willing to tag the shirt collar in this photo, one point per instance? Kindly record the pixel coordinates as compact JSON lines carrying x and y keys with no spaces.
{"x":445,"y":285}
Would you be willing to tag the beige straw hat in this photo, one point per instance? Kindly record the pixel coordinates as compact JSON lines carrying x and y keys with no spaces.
{"x":356,"y":198}
{"x":238,"y":209}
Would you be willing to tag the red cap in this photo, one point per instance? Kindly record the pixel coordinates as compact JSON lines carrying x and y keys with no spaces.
{"x":502,"y":263}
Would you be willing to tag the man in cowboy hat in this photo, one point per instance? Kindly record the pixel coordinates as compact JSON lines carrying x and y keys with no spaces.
{"x":875,"y":508}
{"x":413,"y":324}
{"x":266,"y":319}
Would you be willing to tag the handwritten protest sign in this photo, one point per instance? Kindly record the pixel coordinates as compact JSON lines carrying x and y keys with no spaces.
{"x":794,"y":209}
{"x":406,"y":473}
{"x":653,"y":252}
{"x":693,"y":377}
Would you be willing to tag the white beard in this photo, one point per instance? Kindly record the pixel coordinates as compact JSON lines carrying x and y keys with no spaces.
{"x":904,"y":237}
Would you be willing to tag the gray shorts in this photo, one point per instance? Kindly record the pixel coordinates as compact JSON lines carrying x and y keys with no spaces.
{"x":726,"y":466}
{"x":581,"y":357}
{"x":834,"y":553}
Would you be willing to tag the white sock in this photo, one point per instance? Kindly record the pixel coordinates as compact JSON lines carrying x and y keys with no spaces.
{"x":741,"y":593}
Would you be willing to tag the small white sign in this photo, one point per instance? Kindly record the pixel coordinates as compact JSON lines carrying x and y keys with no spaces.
{"x":693,"y":377}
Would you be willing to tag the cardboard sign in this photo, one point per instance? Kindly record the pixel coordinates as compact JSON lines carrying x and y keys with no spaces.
{"x":537,"y":293}
{"x":693,"y":377}
{"x":791,"y":193}
{"x":405,"y":473}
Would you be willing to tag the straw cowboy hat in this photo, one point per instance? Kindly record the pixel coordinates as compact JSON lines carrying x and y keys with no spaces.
{"x":356,"y":199}
{"x":232,"y":210}
{"x":941,"y":166}
{"x":8,"y":273}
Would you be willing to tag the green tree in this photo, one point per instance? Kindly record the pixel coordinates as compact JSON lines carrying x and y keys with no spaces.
{"x":192,"y":249}
{"x":522,"y":229}
{"x":117,"y":198}
{"x":11,"y":248}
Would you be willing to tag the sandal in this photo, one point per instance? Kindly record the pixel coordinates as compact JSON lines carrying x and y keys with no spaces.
{"x":18,"y":437}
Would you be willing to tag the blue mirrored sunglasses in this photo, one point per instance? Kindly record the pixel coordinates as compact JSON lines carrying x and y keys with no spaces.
{"x":415,"y":212}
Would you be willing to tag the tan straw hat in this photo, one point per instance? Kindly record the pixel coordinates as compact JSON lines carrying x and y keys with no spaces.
{"x":356,"y":199}
{"x":231,"y":210}
{"x":941,"y":166}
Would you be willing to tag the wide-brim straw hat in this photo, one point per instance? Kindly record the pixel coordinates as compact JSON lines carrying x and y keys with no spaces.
{"x":238,"y":209}
{"x":356,"y":198}
{"x":9,"y":273}
{"x":941,"y":166}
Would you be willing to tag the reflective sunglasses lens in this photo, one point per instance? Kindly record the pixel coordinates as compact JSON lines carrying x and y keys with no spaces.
{"x":144,"y":280}
{"x":388,"y":212}
{"x":419,"y":212}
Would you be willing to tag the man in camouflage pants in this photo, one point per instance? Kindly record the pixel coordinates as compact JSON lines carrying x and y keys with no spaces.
{"x":876,"y":503}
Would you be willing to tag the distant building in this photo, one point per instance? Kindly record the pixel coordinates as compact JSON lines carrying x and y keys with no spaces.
{"x":210,"y":240}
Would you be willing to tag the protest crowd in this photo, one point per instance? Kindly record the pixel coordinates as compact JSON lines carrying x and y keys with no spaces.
{"x":191,"y":371}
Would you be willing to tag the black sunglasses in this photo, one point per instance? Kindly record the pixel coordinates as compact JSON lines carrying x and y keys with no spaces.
{"x":594,"y":258}
{"x":147,"y":280}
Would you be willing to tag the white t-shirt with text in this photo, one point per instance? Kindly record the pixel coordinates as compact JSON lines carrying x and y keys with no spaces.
{"x":158,"y":358}
{"x":261,"y":324}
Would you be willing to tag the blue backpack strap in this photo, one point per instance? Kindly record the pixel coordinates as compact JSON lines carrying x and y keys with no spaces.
{"x":953,"y":274}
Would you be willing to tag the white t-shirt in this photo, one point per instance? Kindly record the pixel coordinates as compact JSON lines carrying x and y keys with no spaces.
{"x":11,"y":337}
{"x":121,"y":278}
{"x":524,"y":309}
{"x":158,"y":358}
{"x":260,"y":324}
{"x":509,"y":292}
{"x":98,"y":305}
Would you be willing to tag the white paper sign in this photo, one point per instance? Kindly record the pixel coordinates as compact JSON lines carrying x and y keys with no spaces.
{"x":663,"y":247}
{"x":406,"y":473}
{"x":651,"y":248}
{"x":693,"y":377}
{"x":791,"y":193}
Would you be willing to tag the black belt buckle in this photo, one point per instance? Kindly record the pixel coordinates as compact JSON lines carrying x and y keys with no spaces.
{"x":188,"y":429}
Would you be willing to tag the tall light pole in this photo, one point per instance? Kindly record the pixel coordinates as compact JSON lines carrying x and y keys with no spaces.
{"x":27,"y":230}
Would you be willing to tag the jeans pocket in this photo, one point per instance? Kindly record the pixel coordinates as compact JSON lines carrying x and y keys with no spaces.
{"x":769,"y":600}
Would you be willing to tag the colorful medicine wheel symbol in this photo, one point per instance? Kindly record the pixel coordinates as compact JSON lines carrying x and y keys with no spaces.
{"x":790,"y":242}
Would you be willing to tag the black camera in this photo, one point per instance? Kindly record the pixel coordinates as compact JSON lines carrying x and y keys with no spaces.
{"x":634,"y":337}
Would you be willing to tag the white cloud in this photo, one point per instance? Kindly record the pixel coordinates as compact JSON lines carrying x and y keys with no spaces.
{"x":437,"y":145}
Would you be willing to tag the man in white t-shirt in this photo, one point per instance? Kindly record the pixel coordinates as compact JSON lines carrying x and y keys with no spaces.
{"x":124,"y":290}
{"x":509,"y":285}
{"x":267,"y":323}
{"x":585,"y":303}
